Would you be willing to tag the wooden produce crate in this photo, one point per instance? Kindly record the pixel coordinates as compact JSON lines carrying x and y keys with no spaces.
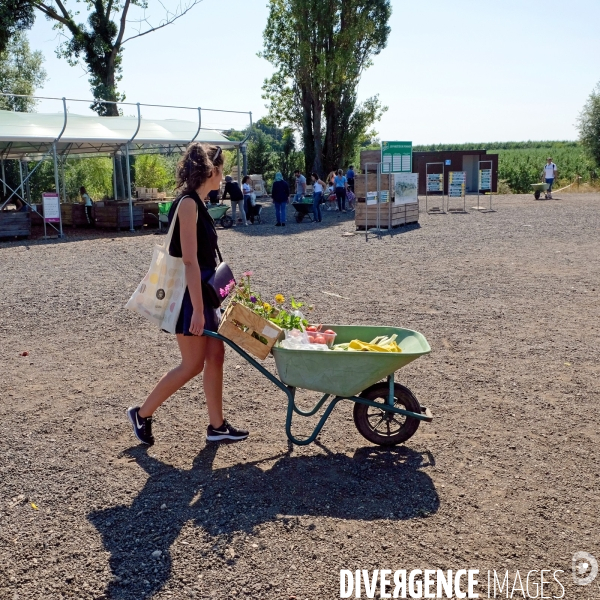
{"x":239,"y":323}
{"x":359,"y":184}
{"x":116,"y":216}
{"x":412,"y":212}
{"x":401,"y":214}
{"x":74,"y":214}
{"x":14,"y":224}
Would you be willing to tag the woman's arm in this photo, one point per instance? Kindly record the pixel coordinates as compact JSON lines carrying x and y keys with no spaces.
{"x":189,"y":251}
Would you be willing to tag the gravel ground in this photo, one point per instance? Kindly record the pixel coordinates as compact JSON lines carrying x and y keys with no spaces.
{"x":505,"y":478}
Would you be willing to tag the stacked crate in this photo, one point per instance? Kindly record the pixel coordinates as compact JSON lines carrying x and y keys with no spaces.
{"x":15,"y":224}
{"x":258,"y":185}
{"x":149,"y":194}
{"x":359,"y":184}
{"x":116,"y":215}
{"x":391,"y":214}
{"x":74,"y":214}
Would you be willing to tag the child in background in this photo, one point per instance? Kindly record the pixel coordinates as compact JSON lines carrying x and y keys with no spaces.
{"x":351,"y":200}
{"x":331,"y":199}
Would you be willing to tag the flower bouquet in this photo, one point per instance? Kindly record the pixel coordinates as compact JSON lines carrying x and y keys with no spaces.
{"x":252,"y":323}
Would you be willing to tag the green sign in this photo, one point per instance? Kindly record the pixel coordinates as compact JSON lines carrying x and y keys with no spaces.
{"x":396,"y":157}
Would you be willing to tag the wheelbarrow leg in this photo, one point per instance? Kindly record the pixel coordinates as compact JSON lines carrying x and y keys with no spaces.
{"x":391,"y":394}
{"x":290,"y":414}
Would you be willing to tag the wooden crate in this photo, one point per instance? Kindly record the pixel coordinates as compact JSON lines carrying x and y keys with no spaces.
{"x":74,"y":214}
{"x":401,"y":214}
{"x":116,"y":216}
{"x":359,"y":184}
{"x":14,"y":224}
{"x":236,"y":318}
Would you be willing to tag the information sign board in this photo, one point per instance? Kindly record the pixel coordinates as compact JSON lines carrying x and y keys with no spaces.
{"x":456,"y":184}
{"x":396,"y":157}
{"x":435,"y":182}
{"x":405,"y":188}
{"x":371,"y":197}
{"x":485,"y":180}
{"x":51,"y":202}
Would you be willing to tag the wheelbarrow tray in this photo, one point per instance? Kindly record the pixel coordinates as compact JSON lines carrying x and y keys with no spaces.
{"x":540,"y":187}
{"x":346,"y":374}
{"x":217,"y":212}
{"x":304,"y":208}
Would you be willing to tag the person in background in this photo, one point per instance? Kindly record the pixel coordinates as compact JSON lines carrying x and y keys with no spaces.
{"x":300,"y":186}
{"x":195,"y":241}
{"x":247,"y":190}
{"x":213,"y":197}
{"x":232,"y":189}
{"x":549,"y":174}
{"x":318,"y":188}
{"x":88,"y":204}
{"x":331,"y":199}
{"x":280,"y":192}
{"x":340,"y":183}
{"x":351,"y":197}
{"x":350,"y":177}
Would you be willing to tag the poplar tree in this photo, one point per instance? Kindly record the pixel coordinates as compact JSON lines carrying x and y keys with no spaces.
{"x":589,"y":125}
{"x":319,"y":49}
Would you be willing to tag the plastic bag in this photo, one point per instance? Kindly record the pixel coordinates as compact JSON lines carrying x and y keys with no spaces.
{"x":298,"y":340}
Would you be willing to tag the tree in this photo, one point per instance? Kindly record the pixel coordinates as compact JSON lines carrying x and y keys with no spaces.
{"x":99,"y":43}
{"x":21,"y":72}
{"x":153,"y":171}
{"x":320,"y":49}
{"x":260,"y":153}
{"x":15,"y":16}
{"x":588,"y":124}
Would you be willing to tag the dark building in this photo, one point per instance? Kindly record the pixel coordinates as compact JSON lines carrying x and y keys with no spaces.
{"x":453,"y":160}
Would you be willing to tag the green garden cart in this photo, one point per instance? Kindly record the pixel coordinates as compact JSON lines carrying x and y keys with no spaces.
{"x":218,"y":212}
{"x":538,"y":188}
{"x":385,"y":412}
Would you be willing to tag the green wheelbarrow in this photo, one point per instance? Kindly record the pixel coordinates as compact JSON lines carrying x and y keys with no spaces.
{"x":538,"y":188}
{"x":385,"y":413}
{"x":218,"y":212}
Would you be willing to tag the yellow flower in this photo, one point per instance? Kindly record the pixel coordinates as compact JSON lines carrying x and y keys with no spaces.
{"x":279,"y":299}
{"x":267,"y":306}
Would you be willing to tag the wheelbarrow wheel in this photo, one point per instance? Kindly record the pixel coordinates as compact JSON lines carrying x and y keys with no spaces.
{"x":226,"y":222}
{"x":537,"y":194}
{"x":385,"y":428}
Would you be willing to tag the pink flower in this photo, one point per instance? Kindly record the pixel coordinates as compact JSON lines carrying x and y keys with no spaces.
{"x":223,"y":292}
{"x":247,"y":273}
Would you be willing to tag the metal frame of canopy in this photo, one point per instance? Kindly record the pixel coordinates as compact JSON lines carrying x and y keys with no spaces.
{"x":40,"y":147}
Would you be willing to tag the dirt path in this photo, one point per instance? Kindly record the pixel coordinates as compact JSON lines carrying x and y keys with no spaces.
{"x":505,"y":478}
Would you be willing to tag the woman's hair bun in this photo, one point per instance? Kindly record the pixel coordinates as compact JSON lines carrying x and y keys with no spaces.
{"x":196,"y":165}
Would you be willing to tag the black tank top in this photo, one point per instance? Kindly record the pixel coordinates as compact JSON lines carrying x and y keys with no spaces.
{"x":206,"y":234}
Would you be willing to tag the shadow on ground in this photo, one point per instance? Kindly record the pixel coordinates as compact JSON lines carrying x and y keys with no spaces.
{"x":375,"y":483}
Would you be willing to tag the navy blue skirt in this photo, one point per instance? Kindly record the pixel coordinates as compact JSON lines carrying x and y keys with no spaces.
{"x":212,"y":316}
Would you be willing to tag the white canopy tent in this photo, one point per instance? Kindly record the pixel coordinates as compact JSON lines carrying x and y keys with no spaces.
{"x":36,"y":136}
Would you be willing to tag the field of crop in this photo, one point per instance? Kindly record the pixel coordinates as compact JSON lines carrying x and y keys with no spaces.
{"x":521,"y":163}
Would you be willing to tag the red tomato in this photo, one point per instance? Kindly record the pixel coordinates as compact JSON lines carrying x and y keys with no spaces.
{"x":329,"y":331}
{"x":319,"y":339}
{"x":311,"y":328}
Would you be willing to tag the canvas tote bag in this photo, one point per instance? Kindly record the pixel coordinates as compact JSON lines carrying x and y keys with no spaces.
{"x":160,"y":294}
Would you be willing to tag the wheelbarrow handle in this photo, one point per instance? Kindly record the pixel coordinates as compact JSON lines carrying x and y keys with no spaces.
{"x":252,"y":361}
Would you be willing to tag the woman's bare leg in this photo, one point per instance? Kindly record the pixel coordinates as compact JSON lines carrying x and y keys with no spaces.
{"x":193,"y":352}
{"x":213,"y":380}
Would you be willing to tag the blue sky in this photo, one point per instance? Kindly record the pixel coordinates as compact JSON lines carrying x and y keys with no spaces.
{"x":453,"y":71}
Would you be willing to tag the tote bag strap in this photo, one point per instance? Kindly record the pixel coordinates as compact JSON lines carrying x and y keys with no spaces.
{"x":169,"y":236}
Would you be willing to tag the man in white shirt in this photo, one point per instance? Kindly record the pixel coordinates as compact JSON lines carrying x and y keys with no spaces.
{"x":549,"y":174}
{"x":300,"y":186}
